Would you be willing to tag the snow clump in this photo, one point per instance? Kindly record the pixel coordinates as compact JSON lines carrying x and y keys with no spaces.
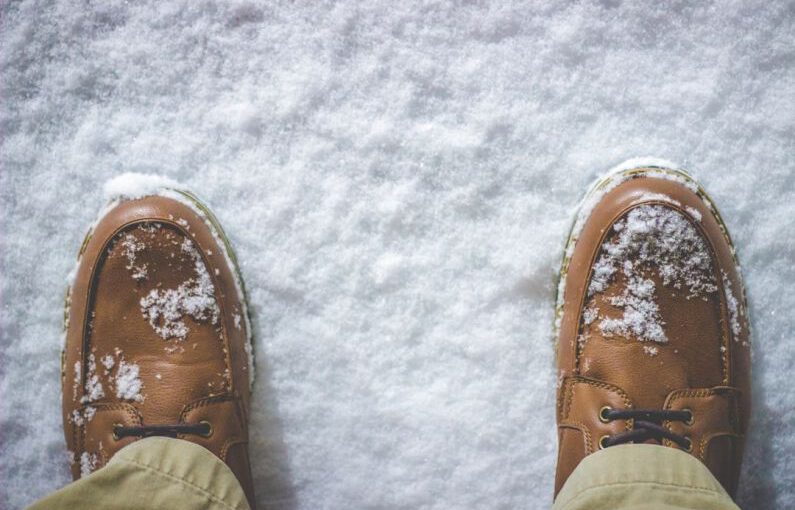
{"x":166,"y":309}
{"x":108,"y":361}
{"x":131,"y":246}
{"x":88,"y":463}
{"x":93,"y":388}
{"x":128,"y":384}
{"x":133,"y":185}
{"x":651,"y":236}
{"x":641,"y":313}
{"x":735,"y":310}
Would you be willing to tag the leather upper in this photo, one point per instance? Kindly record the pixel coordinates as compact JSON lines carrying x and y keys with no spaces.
{"x":156,"y":334}
{"x":698,"y":358}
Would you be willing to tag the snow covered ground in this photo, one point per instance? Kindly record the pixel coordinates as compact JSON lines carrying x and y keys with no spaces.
{"x":398,"y":179}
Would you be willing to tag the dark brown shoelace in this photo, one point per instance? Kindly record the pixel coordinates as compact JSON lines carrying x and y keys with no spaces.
{"x":647,"y":424}
{"x":202,"y":428}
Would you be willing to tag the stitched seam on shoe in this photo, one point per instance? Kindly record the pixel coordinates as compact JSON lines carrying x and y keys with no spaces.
{"x":133,"y":416}
{"x":204,"y":492}
{"x":235,"y":439}
{"x":726,"y":336}
{"x":593,"y":258}
{"x":580,"y":427}
{"x":226,"y":343}
{"x":597,"y":384}
{"x":666,"y":485}
{"x":207,"y":401}
{"x":726,"y":392}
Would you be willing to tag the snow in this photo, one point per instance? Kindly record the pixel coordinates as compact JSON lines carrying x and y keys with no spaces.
{"x":79,"y":417}
{"x":131,"y":246}
{"x":88,"y":463}
{"x":128,"y":384}
{"x":651,"y":350}
{"x":735,"y":309}
{"x":658,"y":197}
{"x":108,"y":361}
{"x":398,"y":180}
{"x":695,"y":213}
{"x":78,"y":378}
{"x":589,"y":315}
{"x":650,"y":239}
{"x":655,"y":236}
{"x":131,"y":185}
{"x":641,"y":314}
{"x":93,"y":386}
{"x":165,"y":309}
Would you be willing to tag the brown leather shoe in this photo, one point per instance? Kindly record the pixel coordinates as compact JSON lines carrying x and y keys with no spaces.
{"x":652,"y":326}
{"x":157,"y":336}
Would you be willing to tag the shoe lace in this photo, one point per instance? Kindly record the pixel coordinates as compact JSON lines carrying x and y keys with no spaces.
{"x":647,"y":424}
{"x":203,"y":428}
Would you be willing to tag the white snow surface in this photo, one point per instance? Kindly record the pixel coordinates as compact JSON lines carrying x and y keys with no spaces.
{"x":398,"y":179}
{"x":134,"y":185}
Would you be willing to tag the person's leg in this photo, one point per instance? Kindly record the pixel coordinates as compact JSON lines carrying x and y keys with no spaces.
{"x":154,"y":473}
{"x":642,"y":477}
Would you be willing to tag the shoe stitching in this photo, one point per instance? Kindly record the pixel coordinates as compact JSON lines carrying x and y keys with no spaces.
{"x":727,"y":393}
{"x":580,"y":427}
{"x":206,"y":401}
{"x":574,"y":380}
{"x":218,"y":399}
{"x":229,"y":443}
{"x":82,"y":430}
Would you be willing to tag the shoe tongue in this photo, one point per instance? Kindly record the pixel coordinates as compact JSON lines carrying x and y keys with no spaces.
{"x":650,"y":339}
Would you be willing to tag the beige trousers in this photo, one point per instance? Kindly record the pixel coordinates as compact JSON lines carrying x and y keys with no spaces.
{"x":170,"y":473}
{"x":156,"y":472}
{"x":642,"y":477}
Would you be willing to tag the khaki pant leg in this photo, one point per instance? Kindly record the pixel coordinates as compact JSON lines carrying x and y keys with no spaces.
{"x":155,"y":472}
{"x":642,"y":477}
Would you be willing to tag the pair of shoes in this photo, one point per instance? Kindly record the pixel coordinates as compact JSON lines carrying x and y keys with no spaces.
{"x":651,"y":317}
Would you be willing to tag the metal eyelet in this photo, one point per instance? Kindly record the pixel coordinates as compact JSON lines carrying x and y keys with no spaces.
{"x":602,"y":414}
{"x":692,"y":418}
{"x":116,"y":426}
{"x":689,"y":444}
{"x":602,"y":440}
{"x":209,"y":428}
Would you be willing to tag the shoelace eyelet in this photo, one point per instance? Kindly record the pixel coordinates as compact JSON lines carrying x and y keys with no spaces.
{"x":602,"y":440}
{"x":115,"y":431}
{"x":209,"y":428}
{"x":692,"y":418}
{"x":603,"y":414}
